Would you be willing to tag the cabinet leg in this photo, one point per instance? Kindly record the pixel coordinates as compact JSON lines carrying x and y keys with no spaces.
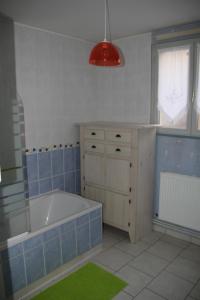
{"x":131,"y":233}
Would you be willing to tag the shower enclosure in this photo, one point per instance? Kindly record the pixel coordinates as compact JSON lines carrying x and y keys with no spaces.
{"x":13,"y":203}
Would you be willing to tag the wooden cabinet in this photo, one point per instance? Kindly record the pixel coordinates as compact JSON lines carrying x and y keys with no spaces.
{"x":117,"y":169}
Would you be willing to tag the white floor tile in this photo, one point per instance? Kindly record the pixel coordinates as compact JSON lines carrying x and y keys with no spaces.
{"x":153,"y":237}
{"x":165,"y":250}
{"x":170,"y":286}
{"x":123,"y":296}
{"x":185,"y":268}
{"x":149,"y":263}
{"x":196,"y":291}
{"x":174,"y":241}
{"x":132,"y":248}
{"x":192,"y":252}
{"x":148,"y":295}
{"x":136,"y":279}
{"x":113,"y":258}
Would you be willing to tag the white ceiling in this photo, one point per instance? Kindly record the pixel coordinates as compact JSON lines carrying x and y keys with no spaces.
{"x":84,"y":18}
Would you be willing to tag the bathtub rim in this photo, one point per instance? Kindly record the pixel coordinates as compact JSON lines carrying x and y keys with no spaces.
{"x":27,"y":235}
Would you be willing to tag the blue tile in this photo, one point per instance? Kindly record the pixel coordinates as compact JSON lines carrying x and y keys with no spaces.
{"x":58,"y":182}
{"x":44,"y":159}
{"x":177,"y":155}
{"x":11,"y":252}
{"x":95,"y":214}
{"x":78,"y":182}
{"x":32,"y":166}
{"x":82,"y":220}
{"x":70,"y":182}
{"x":33,"y":242}
{"x":33,"y":188}
{"x":77,"y":158}
{"x":83,"y":239}
{"x":96,"y":231}
{"x":57,"y":162}
{"x":69,"y":159}
{"x":34,"y":261}
{"x":14,"y":274}
{"x":45,"y":185}
{"x":25,"y":173}
{"x":24,"y":159}
{"x":69,"y":226}
{"x":52,"y":254}
{"x":51,"y":234}
{"x":68,"y":244}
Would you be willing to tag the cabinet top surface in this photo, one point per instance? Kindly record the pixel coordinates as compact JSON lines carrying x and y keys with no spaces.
{"x":105,"y":124}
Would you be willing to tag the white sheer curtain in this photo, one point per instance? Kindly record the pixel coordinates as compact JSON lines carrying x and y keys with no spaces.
{"x":173,"y":75}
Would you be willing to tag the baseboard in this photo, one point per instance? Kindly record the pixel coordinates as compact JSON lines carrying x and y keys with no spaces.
{"x":177,"y":231}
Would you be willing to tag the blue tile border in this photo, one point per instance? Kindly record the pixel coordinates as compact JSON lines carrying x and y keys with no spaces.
{"x":53,"y":169}
{"x":175,"y":154}
{"x":37,"y":256}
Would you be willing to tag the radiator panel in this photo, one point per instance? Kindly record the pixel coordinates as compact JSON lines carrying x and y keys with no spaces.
{"x":179,"y":200}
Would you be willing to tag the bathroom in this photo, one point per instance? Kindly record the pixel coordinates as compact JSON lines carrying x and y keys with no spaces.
{"x":136,"y":223}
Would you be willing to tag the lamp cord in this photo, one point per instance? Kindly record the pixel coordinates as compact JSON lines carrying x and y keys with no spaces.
{"x":107,"y":22}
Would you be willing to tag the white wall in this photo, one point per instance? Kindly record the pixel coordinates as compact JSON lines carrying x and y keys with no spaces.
{"x":124,"y":94}
{"x":59,"y":88}
{"x":56,"y":84}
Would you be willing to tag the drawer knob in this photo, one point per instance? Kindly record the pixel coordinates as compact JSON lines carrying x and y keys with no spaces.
{"x":93,"y":133}
{"x":93,"y":147}
{"x":118,"y":150}
{"x":118,"y":136}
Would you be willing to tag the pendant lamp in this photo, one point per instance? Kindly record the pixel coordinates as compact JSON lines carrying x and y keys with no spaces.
{"x":105,"y":54}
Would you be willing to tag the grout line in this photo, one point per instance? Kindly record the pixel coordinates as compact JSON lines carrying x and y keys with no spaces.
{"x":188,"y":295}
{"x":164,"y":269}
{"x":60,"y":242}
{"x":25,"y":271}
{"x":51,"y":169}
{"x":64,"y":169}
{"x":38,"y":175}
{"x":154,"y":292}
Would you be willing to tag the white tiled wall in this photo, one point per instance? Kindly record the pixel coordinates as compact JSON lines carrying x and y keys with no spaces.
{"x":56,"y":83}
{"x":59,"y":88}
{"x":124,"y":93}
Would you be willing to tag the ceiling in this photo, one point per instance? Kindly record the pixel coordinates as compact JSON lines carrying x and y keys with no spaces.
{"x":85,"y":18}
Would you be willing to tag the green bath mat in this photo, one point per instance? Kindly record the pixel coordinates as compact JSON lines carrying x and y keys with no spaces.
{"x":88,"y":283}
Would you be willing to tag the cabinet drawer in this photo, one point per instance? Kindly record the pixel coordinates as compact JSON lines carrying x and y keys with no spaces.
{"x":94,"y":147}
{"x":118,"y":136}
{"x":97,"y":134}
{"x":118,"y":150}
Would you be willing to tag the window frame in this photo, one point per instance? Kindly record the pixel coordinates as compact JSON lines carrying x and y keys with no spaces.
{"x":192,"y":81}
{"x":194,"y":126}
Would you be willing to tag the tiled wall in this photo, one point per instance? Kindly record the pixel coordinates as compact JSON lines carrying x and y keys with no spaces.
{"x":177,"y":155}
{"x":36,"y":257}
{"x":51,"y":169}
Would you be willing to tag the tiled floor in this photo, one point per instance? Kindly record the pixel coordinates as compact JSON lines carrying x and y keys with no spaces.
{"x":158,"y":267}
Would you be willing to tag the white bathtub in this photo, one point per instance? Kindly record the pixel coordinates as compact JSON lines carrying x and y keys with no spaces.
{"x":54,"y":207}
{"x":63,"y":227}
{"x":51,"y":210}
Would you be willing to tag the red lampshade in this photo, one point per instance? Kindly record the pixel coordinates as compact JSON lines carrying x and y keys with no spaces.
{"x":105,"y":54}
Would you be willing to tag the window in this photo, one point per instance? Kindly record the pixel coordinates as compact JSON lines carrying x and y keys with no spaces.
{"x":177,"y":86}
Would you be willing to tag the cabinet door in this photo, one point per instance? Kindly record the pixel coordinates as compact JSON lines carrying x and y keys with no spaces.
{"x":116,"y":210}
{"x":94,"y":169}
{"x":118,"y":175}
{"x":94,"y":193}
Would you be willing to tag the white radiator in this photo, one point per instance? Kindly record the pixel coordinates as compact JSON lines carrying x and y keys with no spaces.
{"x":179,"y":200}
